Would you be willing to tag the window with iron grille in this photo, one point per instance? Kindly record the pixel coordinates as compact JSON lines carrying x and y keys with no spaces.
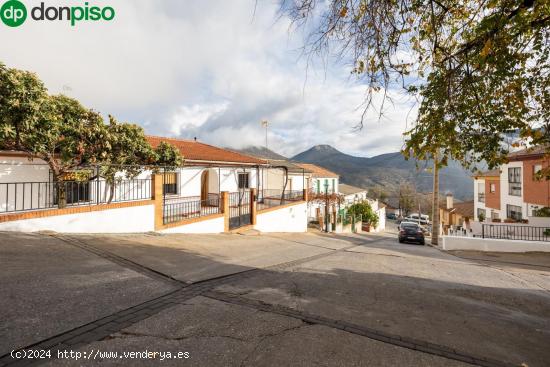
{"x":243,"y":181}
{"x":513,"y":212}
{"x":514,"y":181}
{"x":536,"y":169}
{"x":170,"y":183}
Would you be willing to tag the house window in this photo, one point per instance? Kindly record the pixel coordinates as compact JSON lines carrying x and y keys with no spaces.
{"x":492,"y":188}
{"x":481,"y":192}
{"x":170,"y":183}
{"x":244,"y":181}
{"x":318,"y":186}
{"x":513,"y":212}
{"x":481,"y":214}
{"x":333,"y":185}
{"x":514,"y":181}
{"x":326,"y":185}
{"x":536,"y":169}
{"x":494,"y":215}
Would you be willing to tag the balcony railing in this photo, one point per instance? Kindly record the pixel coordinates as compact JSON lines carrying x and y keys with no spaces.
{"x":510,"y":232}
{"x":514,"y":189}
{"x":27,"y":196}
{"x":186,"y":208}
{"x":272,"y":198}
{"x":481,"y":197}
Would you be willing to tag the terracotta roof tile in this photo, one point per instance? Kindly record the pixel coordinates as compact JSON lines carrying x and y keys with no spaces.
{"x":196,"y":151}
{"x":533,"y":152}
{"x":490,"y":173}
{"x":349,"y":190}
{"x":317,"y":171}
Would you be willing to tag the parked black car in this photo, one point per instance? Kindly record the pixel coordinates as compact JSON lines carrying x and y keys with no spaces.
{"x":410,"y":232}
{"x":391,"y":216}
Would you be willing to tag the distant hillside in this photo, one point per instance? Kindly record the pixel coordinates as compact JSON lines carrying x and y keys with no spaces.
{"x":388,"y":171}
{"x":260,"y":152}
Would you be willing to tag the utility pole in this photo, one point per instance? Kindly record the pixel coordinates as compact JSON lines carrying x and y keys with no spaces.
{"x":435,"y":203}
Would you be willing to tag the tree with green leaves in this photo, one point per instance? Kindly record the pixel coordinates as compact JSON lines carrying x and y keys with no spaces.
{"x":364,"y":209}
{"x":167,"y":156}
{"x":479,"y":69}
{"x":70,"y":138}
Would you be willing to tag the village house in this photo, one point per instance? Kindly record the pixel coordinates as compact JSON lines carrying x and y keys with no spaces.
{"x":322,"y":181}
{"x":453,"y":215}
{"x":216,"y":190}
{"x":512,"y":192}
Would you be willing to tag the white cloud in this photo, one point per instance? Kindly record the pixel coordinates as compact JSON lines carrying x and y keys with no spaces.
{"x":207,"y":69}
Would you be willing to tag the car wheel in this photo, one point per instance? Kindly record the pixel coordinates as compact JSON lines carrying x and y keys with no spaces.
{"x":423,"y":243}
{"x":400,"y":240}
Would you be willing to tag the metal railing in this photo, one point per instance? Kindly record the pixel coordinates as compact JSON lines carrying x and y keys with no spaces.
{"x":481,"y":197}
{"x":182,"y":208}
{"x":272,"y":198}
{"x":27,"y":196}
{"x":509,"y":232}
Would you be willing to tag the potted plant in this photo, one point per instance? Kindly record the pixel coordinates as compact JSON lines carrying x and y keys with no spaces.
{"x":481,"y":217}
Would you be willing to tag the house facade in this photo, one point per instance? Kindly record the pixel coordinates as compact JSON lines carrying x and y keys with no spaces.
{"x":321,"y":181}
{"x":454,"y":215}
{"x":216,"y":190}
{"x":512,"y":192}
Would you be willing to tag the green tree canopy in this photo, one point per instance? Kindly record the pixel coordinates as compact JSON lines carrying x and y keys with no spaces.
{"x":364,"y":209}
{"x":480,"y":69}
{"x":69,"y":136}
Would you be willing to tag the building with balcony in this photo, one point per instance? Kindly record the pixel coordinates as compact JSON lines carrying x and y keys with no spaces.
{"x":512,"y":192}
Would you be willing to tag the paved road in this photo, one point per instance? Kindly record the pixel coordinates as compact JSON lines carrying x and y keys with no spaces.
{"x":300,"y":299}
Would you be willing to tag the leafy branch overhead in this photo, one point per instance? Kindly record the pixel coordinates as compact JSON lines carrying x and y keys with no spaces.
{"x":66,"y":135}
{"x":479,"y":69}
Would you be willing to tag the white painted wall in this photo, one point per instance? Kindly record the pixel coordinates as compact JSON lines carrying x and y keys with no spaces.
{"x":505,"y":198}
{"x":207,"y":226}
{"x":493,"y":245}
{"x":477,"y":204}
{"x":20,"y":169}
{"x":289,"y":219}
{"x":121,"y":220}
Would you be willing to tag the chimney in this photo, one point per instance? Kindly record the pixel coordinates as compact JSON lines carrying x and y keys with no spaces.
{"x":449,"y":201}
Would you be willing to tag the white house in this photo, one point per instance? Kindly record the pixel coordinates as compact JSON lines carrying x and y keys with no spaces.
{"x":352,"y":194}
{"x":216,"y":190}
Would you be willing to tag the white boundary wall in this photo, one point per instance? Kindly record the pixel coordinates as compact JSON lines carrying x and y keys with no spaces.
{"x":215,"y":225}
{"x":288,"y":219}
{"x":493,"y":245}
{"x":121,"y":220}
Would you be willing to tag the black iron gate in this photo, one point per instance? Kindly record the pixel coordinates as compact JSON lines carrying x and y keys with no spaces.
{"x":239,"y":209}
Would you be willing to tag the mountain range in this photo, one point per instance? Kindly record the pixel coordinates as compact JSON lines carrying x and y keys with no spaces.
{"x":383,"y":172}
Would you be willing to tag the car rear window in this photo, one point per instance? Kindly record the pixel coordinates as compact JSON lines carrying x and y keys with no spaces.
{"x":409,"y":225}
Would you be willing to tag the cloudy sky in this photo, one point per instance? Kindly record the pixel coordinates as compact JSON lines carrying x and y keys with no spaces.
{"x":206,"y":69}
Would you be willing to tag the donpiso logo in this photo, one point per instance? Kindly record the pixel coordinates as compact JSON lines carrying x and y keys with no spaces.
{"x":13,"y":13}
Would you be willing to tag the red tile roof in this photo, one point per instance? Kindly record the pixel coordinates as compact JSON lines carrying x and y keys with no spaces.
{"x":490,"y":173}
{"x":196,"y":151}
{"x":528,"y":153}
{"x":316,"y":170}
